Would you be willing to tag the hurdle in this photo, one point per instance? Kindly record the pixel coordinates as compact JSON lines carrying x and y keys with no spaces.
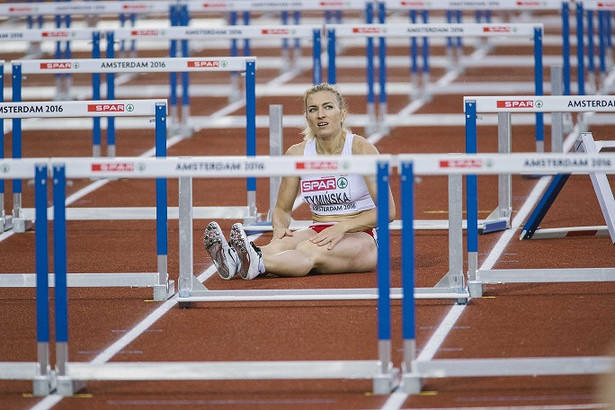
{"x":504,"y":106}
{"x":334,"y":31}
{"x":414,"y":370}
{"x":312,"y":32}
{"x":455,"y":8}
{"x":591,"y":84}
{"x":70,"y":375}
{"x":159,"y":281}
{"x":147,"y":65}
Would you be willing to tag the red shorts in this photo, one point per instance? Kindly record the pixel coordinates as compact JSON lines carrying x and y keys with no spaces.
{"x":319,"y":227}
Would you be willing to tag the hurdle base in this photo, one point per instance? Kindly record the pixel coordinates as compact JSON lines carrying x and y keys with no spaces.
{"x":21,"y":225}
{"x":476,"y":289}
{"x":43,"y":385}
{"x":385,"y":383}
{"x":6,"y":223}
{"x":410,"y":383}
{"x":68,"y":387}
{"x":164,"y":292}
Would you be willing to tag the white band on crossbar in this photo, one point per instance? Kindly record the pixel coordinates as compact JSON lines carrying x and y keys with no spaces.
{"x":522,"y":5}
{"x":434,"y":30}
{"x":140,"y":65}
{"x":71,"y":109}
{"x":265,"y":166}
{"x":217,"y":33}
{"x":543,"y":103}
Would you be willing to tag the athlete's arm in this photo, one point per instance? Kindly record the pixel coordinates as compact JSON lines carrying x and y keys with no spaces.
{"x":287,"y":193}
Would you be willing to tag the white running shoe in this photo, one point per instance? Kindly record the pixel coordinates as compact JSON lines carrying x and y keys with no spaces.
{"x":225,"y":258}
{"x":250,"y":256}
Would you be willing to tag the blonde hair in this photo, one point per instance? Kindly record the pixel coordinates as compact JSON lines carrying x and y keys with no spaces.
{"x":308,"y":133}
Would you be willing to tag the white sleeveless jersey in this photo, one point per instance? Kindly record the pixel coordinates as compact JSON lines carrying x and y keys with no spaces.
{"x":335,"y":194}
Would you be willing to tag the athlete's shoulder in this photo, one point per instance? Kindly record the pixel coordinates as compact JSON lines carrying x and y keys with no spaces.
{"x":296,"y":149}
{"x":361,"y":145}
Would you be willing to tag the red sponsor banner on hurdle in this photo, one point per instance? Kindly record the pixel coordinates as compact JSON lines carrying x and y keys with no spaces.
{"x":145,"y":32}
{"x":21,"y":9}
{"x":56,"y":65}
{"x":134,"y":6}
{"x":331,"y":3}
{"x":413,"y":3}
{"x":496,"y":29}
{"x":55,"y":34}
{"x":113,"y":167}
{"x":462,"y":163}
{"x":275,"y":31}
{"x":204,"y":63}
{"x":318,"y":165}
{"x":515,"y":103}
{"x":368,"y":30}
{"x":606,"y":4}
{"x":217,"y":5}
{"x":528,"y":3}
{"x":106,"y":108}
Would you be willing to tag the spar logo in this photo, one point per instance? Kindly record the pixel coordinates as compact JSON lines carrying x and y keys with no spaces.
{"x":55,"y":34}
{"x":518,"y":104}
{"x":315,"y":185}
{"x":133,"y":6}
{"x":473,"y":163}
{"x":214,"y":5}
{"x":114,"y":167}
{"x":606,"y":4}
{"x":528,"y":3}
{"x":21,"y":9}
{"x":144,"y":33}
{"x":118,"y":107}
{"x":331,"y":3}
{"x":366,"y":30}
{"x":275,"y":31}
{"x":207,"y":63}
{"x":320,"y":165}
{"x":413,"y":3}
{"x":58,"y":65}
{"x":496,"y":29}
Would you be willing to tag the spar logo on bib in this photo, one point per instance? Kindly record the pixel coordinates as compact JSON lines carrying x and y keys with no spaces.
{"x":316,"y":185}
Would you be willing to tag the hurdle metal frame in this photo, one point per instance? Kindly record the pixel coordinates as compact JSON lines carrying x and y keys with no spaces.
{"x":455,"y":8}
{"x":414,"y":370}
{"x":382,"y":31}
{"x":506,"y":105}
{"x":69,"y":376}
{"x":143,"y":65}
{"x":159,"y":281}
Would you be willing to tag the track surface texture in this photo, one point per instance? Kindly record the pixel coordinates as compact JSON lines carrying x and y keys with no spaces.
{"x":510,"y":321}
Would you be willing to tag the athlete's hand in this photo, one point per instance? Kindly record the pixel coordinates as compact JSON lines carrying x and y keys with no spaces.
{"x":329,"y":237}
{"x":279,"y":233}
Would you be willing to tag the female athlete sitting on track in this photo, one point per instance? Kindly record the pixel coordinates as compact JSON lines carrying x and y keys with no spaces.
{"x":342,"y":237}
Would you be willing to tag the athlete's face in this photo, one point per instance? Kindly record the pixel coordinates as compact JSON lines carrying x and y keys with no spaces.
{"x":323,"y":114}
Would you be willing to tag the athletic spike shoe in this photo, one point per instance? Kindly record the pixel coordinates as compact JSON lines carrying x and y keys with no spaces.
{"x":250,"y":256}
{"x":225,"y":258}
